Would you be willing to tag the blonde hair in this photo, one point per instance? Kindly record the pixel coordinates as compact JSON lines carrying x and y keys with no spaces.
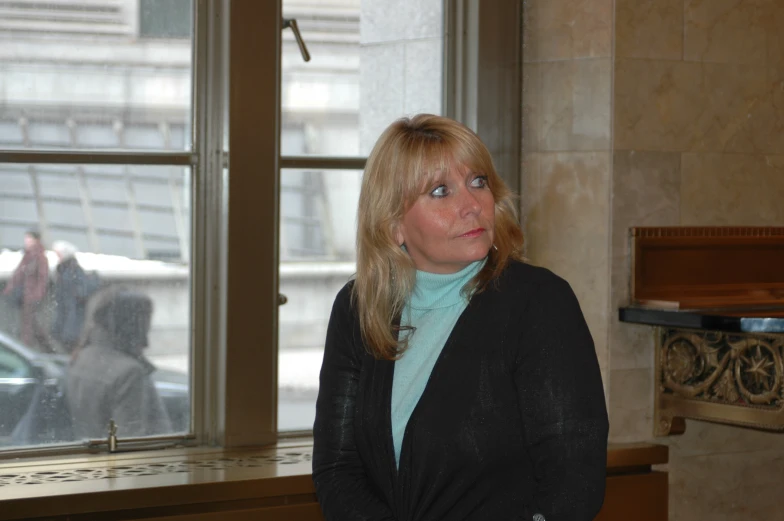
{"x":408,"y":156}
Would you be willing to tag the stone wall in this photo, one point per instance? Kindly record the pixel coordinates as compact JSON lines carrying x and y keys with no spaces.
{"x":671,"y":114}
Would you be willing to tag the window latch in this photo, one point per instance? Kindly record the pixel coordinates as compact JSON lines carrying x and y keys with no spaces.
{"x":292,"y":23}
{"x":112,"y":438}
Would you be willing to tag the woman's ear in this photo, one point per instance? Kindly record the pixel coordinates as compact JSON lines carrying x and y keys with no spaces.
{"x":400,"y":238}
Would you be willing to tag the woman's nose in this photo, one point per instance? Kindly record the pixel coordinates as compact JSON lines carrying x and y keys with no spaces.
{"x":469,"y":203}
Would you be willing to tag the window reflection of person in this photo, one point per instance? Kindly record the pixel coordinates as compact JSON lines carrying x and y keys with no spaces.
{"x":458,"y":382}
{"x":27,"y":288}
{"x":109,"y":378}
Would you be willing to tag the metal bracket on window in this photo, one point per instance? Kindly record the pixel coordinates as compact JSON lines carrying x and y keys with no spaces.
{"x":112,"y":438}
{"x":292,"y":22}
{"x":282,"y":299}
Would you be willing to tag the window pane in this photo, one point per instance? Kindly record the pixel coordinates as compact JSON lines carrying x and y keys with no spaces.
{"x":113,"y":75}
{"x":372,"y":61}
{"x":318,"y":223}
{"x":96,"y":326}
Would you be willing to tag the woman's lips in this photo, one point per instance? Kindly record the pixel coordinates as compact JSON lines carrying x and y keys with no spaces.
{"x":473,"y":233}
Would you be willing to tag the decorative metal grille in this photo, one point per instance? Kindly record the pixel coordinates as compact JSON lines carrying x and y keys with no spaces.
{"x":148,"y":469}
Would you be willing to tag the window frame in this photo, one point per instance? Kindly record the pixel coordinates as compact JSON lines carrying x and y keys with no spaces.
{"x":199,"y":160}
{"x":236,"y":202}
{"x":482,"y":87}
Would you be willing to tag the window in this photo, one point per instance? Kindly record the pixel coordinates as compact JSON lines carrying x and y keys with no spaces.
{"x":111,"y":149}
{"x":17,"y":386}
{"x":12,"y":364}
{"x":165,"y":18}
{"x":96,"y":157}
{"x":369,"y":65}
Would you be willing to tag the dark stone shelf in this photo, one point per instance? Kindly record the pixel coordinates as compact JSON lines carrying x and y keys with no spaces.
{"x":733,"y":320}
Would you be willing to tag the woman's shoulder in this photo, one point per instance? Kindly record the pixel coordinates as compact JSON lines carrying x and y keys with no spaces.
{"x":529,"y":288}
{"x":344,"y":295}
{"x":521,"y":275}
{"x":344,"y":301}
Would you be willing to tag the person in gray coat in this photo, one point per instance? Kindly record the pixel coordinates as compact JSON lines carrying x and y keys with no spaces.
{"x":109,"y":378}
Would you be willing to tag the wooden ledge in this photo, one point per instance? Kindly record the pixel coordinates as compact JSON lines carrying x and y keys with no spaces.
{"x":164,"y":482}
{"x":270,"y":482}
{"x":621,"y":456}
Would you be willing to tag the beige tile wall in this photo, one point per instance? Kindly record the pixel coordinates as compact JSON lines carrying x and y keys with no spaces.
{"x":649,"y":29}
{"x":671,"y":115}
{"x":565,"y":195}
{"x":566,"y":152}
{"x":567,"y":30}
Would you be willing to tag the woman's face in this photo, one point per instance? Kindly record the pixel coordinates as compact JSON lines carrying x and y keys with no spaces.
{"x":451,"y":224}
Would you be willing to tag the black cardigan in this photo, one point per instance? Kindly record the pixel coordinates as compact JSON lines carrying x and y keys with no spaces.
{"x":512,"y":421}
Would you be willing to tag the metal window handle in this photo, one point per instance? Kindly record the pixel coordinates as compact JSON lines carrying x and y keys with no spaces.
{"x":292,"y":22}
{"x":112,"y":438}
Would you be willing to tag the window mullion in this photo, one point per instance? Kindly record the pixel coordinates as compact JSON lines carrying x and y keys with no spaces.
{"x":98,"y":157}
{"x":323,"y":162}
{"x":251,"y":359}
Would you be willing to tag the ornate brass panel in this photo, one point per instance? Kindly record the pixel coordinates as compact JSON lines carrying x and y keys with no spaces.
{"x":732,"y":378}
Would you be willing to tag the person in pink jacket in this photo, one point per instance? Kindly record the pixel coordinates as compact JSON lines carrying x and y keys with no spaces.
{"x":27,"y":290}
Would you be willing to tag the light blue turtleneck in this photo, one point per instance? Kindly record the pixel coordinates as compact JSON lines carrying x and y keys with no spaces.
{"x":433,"y":309}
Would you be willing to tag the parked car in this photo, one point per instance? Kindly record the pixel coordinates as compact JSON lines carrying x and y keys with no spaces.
{"x":34,"y":381}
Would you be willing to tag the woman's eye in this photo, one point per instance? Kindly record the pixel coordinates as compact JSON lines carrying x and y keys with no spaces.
{"x":479,"y":181}
{"x":439,"y":191}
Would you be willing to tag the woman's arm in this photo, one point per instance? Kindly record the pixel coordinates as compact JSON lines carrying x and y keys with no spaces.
{"x":562,"y":404}
{"x":342,"y":486}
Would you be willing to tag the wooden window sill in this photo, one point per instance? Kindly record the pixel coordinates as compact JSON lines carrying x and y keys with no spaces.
{"x":158,"y":483}
{"x":206,"y":484}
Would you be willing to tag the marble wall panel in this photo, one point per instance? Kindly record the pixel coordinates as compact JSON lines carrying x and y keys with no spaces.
{"x":726,"y":487}
{"x":763,"y":130}
{"x":649,"y":29}
{"x":732,"y":189}
{"x":565,"y":201}
{"x":567,"y":29}
{"x":705,"y":438}
{"x":775,"y":36}
{"x":568,"y":105}
{"x":532,"y":105}
{"x":645,"y":192}
{"x":529,"y":36}
{"x":680,"y":106}
{"x":631,"y":405}
{"x":776,"y":82}
{"x":724,"y":31}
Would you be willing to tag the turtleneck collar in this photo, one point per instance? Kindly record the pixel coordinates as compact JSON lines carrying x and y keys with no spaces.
{"x":440,"y":290}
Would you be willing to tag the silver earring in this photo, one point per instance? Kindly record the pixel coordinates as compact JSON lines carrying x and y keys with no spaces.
{"x":495,"y":247}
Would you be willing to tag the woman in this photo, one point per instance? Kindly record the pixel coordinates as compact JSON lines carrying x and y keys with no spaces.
{"x":72,"y":287}
{"x":458,"y":383}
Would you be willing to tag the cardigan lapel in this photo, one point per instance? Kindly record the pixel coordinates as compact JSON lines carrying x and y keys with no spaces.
{"x":378,"y":404}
